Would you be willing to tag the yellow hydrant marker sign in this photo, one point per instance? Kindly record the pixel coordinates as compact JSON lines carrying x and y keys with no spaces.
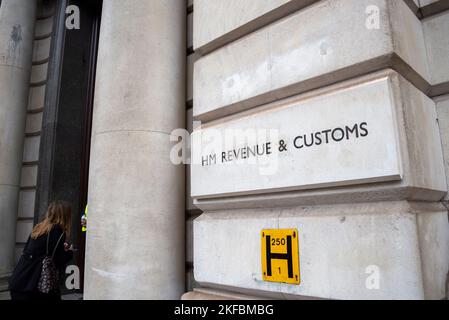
{"x":280,"y":256}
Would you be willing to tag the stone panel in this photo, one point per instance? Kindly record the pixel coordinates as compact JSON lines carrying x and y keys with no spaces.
{"x":189,"y":239}
{"x":41,"y":50}
{"x":191,"y":58}
{"x":434,"y":245}
{"x":26,"y":203}
{"x":29,"y":177}
{"x":23,"y":231}
{"x":36,"y":98}
{"x":235,"y":18}
{"x":437,"y":43}
{"x":424,"y":3}
{"x":31,"y":149}
{"x":401,"y":145}
{"x":339,"y":247}
{"x":309,"y":49}
{"x":443,"y":121}
{"x":33,"y":122}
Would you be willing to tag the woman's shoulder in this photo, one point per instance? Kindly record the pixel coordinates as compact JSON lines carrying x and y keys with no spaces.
{"x":56,"y":231}
{"x":57,"y":228}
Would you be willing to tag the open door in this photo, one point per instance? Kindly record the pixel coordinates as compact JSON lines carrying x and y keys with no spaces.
{"x":67,"y":119}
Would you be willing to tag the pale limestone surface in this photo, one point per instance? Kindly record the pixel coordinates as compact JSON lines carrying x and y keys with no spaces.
{"x":228,"y":15}
{"x":403,"y":147}
{"x":31,"y":149}
{"x":33,"y":122}
{"x":189,"y":201}
{"x":191,"y":58}
{"x":407,"y":242}
{"x":233,"y":19}
{"x":437,"y":43}
{"x":16,"y":43}
{"x":36,"y":98}
{"x":44,"y":27}
{"x":434,"y":245}
{"x":135,"y":239}
{"x":5,"y":296}
{"x":39,"y":73}
{"x":306,"y":50}
{"x":26,"y":203}
{"x":424,"y":3}
{"x":28,"y":176}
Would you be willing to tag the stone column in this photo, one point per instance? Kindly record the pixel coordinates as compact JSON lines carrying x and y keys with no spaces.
{"x":135,"y":236}
{"x":17,"y":19}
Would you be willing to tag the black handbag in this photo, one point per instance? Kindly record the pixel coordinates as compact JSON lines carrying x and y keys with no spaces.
{"x":49,"y":278}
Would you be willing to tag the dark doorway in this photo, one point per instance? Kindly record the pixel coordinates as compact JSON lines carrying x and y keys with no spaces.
{"x":67,"y":119}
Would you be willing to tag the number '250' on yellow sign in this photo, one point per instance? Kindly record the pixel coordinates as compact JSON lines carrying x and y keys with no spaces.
{"x":280,"y":256}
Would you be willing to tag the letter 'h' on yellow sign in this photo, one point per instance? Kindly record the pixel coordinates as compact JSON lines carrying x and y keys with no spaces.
{"x":280,"y":256}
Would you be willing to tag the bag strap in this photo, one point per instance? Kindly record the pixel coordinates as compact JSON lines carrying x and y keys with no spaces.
{"x":48,"y":239}
{"x":27,"y":244}
{"x":57,"y":243}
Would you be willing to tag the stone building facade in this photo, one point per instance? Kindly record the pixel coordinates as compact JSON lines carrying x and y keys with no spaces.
{"x":327,"y":117}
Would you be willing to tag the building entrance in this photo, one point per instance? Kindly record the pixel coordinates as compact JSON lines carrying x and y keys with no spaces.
{"x":67,"y":118}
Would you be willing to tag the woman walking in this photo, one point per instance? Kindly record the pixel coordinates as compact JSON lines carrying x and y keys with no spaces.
{"x":46,"y":252}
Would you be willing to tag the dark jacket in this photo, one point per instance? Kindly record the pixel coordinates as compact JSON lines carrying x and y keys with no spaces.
{"x":28,"y":270}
